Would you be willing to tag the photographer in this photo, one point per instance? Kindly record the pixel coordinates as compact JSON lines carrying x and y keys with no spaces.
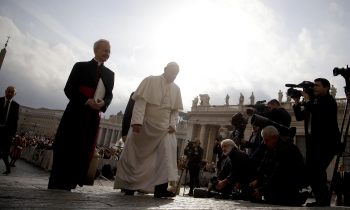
{"x":239,"y":124}
{"x":194,"y":154}
{"x":321,"y":134}
{"x":277,"y":113}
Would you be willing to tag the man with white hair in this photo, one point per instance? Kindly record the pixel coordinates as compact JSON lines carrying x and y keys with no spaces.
{"x":281,"y":174}
{"x":148,"y":161}
{"x":235,"y":170}
{"x":76,"y":136}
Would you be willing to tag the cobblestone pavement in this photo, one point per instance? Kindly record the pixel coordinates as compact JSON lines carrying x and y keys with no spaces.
{"x":26,"y":188}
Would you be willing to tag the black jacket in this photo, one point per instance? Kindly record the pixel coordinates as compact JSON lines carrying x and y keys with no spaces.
{"x":127,"y":115}
{"x":12,"y":119}
{"x":324,"y":132}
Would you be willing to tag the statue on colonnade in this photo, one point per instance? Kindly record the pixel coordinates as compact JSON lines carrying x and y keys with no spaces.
{"x":280,"y":96}
{"x":195,"y":101}
{"x":252,"y":99}
{"x":241,"y":99}
{"x":227,"y":100}
{"x":204,"y":99}
{"x":333,"y":91}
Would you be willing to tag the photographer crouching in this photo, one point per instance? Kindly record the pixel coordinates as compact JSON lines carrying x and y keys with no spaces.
{"x":194,"y":154}
{"x":319,"y":112}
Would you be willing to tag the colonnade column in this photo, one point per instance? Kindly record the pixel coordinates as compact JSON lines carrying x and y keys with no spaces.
{"x":211,"y":139}
{"x":202,"y":134}
{"x":105,"y":142}
{"x":190,"y":128}
{"x":99,"y":137}
{"x":112,"y":137}
{"x":119,"y":135}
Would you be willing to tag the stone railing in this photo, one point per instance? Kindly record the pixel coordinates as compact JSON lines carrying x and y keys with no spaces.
{"x":242,"y":108}
{"x":219,"y":108}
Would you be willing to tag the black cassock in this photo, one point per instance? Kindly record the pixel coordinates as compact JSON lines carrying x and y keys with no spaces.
{"x":76,"y":135}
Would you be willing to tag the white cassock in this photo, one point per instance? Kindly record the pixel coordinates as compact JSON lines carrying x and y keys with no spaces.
{"x":149,"y":158}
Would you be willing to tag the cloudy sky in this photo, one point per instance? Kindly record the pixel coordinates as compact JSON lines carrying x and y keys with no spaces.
{"x":222,"y":46}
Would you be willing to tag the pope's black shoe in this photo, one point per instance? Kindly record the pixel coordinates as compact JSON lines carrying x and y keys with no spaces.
{"x":128,"y":192}
{"x":160,"y":191}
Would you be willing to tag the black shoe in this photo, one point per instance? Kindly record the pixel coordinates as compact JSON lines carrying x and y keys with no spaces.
{"x":317,"y":204}
{"x":164,"y":194}
{"x":190,"y":193}
{"x":128,"y":192}
{"x":6,"y":172}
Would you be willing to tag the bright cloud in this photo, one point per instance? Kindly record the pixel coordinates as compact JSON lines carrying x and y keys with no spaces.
{"x":222,"y":46}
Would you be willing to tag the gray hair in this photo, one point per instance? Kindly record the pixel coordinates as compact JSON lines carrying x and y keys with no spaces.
{"x":98,"y":42}
{"x":229,"y":142}
{"x":269,"y":131}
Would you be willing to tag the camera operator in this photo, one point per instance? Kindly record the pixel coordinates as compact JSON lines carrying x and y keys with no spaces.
{"x":194,"y":154}
{"x":239,"y":124}
{"x":322,"y":136}
{"x":277,"y":113}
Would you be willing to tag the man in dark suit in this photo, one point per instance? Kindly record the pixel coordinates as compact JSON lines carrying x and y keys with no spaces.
{"x":322,"y":136}
{"x":342,"y":186}
{"x":8,"y":124}
{"x":76,"y":136}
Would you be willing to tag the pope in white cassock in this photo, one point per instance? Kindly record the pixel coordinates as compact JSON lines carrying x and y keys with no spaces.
{"x":148,"y":161}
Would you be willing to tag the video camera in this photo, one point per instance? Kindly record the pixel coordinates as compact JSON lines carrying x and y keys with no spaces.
{"x":258,"y":120}
{"x":308,"y":87}
{"x":345,"y":72}
{"x":259,"y":107}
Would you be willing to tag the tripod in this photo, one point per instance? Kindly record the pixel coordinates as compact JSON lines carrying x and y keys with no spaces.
{"x":341,"y":153}
{"x":184,"y":168}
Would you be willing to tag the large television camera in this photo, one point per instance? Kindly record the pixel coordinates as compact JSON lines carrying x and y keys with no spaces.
{"x":262,"y":122}
{"x":307,"y":86}
{"x":345,"y":72}
{"x":258,"y":108}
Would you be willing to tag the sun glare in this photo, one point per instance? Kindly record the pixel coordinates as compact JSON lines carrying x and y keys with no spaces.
{"x":210,"y":32}
{"x":209,"y":38}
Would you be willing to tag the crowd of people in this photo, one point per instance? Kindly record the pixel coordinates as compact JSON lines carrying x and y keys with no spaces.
{"x":267,"y":167}
{"x":38,"y":151}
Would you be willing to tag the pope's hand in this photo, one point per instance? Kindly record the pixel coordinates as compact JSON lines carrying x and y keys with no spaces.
{"x":136,"y":128}
{"x":171,"y":129}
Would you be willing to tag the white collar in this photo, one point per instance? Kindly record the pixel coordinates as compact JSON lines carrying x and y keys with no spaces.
{"x":98,"y":63}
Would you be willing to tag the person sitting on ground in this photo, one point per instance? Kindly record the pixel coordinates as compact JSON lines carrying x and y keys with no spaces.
{"x":235,"y":170}
{"x":281,"y":174}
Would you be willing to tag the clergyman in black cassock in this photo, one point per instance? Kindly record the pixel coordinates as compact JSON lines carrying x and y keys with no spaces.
{"x":76,"y":136}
